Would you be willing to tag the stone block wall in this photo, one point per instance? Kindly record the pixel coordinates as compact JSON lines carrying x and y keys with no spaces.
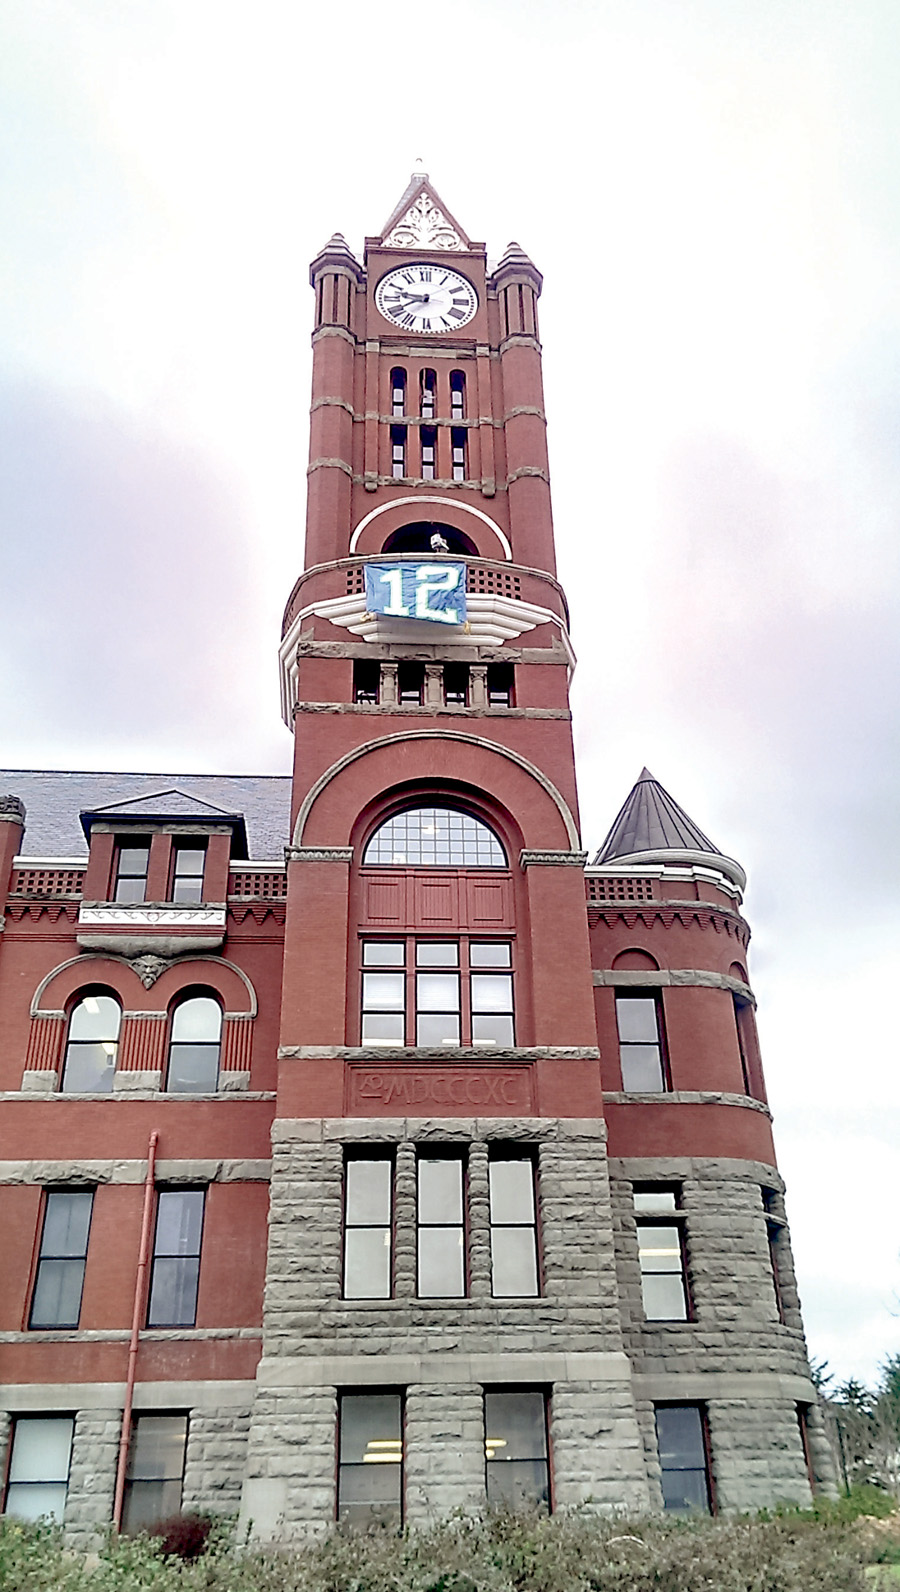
{"x":216,"y":1459}
{"x":92,"y":1474}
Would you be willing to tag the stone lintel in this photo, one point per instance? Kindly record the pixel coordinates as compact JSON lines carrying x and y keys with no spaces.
{"x":687,"y":1097}
{"x":476,"y":1054}
{"x":755,"y":1386}
{"x":90,"y":1173}
{"x":552,"y":859}
{"x":23,"y":1397}
{"x":393,"y":1130}
{"x":410,"y":1369}
{"x":664,"y":977}
{"x":318,"y":853}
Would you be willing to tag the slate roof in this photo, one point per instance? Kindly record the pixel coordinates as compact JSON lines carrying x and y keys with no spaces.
{"x":651,"y":820}
{"x":55,"y":799}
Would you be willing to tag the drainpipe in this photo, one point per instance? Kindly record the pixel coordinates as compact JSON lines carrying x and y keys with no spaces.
{"x":136,"y":1319}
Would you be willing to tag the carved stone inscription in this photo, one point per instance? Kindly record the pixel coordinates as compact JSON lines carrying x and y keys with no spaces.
{"x":420,"y":1091}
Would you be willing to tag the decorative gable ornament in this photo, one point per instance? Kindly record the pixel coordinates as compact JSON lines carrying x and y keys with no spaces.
{"x":424,"y":226}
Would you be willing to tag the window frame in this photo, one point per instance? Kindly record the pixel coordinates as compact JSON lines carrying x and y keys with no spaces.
{"x":452,"y":1155}
{"x":410,"y":969}
{"x":10,"y":1482}
{"x":352,"y":1155}
{"x":500,"y":684}
{"x":367,"y":680}
{"x":512,"y":1151}
{"x":156,"y":1256}
{"x":342,"y":1465}
{"x":141,"y":1418}
{"x":50,"y":1260}
{"x":545,"y":1459}
{"x":184,"y":998}
{"x":181,"y":848}
{"x":669,"y":1219}
{"x":459,"y":453}
{"x":399,"y":445}
{"x":776,"y":1226}
{"x":438,"y":808}
{"x":428,"y":446}
{"x":427,"y":393}
{"x":457,"y":395}
{"x":398,"y":406}
{"x":652,"y":994}
{"x":73,"y":1045}
{"x":707,"y":1468}
{"x":125,"y":843}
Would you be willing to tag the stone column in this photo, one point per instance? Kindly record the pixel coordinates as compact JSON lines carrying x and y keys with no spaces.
{"x":445,"y":1419}
{"x":405,"y":1222}
{"x":216,"y":1460}
{"x":479,"y":1222}
{"x":92,"y":1475}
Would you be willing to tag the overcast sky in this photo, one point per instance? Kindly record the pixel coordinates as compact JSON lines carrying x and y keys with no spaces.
{"x":710,"y":188}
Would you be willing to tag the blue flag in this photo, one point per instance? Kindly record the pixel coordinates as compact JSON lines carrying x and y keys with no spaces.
{"x":436,"y":590}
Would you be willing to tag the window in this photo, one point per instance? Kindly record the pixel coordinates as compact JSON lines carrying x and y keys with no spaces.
{"x":90,"y":1059}
{"x":775,"y":1226}
{"x":441,"y":1264}
{"x":56,"y":1300}
{"x":435,"y":837}
{"x":410,"y":683}
{"x":368,"y":1209}
{"x":661,"y":1253}
{"x":427,"y":391}
{"x":398,"y":394}
{"x":189,"y":862}
{"x":39,"y":1467}
{"x":132,"y":864}
{"x":803,"y":1426}
{"x":744,"y":1023}
{"x":457,"y":395}
{"x":429,"y":449}
{"x":458,"y":453}
{"x":517,"y":1471}
{"x":366,"y":680}
{"x":194,"y":1046}
{"x":500,"y":685}
{"x":370,"y":1458}
{"x":155,"y":1475}
{"x":640,"y":1043}
{"x":176,"y":1258}
{"x":456,"y":684}
{"x":514,"y":1264}
{"x":398,"y":451}
{"x":445,"y":992}
{"x":683,"y":1458}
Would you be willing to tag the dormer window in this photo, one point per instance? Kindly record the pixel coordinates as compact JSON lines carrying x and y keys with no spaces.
{"x":132,"y":866}
{"x":188,"y":865}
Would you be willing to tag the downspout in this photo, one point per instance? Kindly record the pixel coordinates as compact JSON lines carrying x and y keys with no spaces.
{"x":136,"y":1319}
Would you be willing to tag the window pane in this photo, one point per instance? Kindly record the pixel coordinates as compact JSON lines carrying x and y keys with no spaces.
{"x":637,"y":1020}
{"x":641,"y":1068}
{"x":437,"y":992}
{"x":67,"y":1222}
{"x":190,"y":861}
{"x":490,"y":955}
{"x":173,"y":1292}
{"x":149,"y":1501}
{"x":663,"y":1297}
{"x":367,"y":1263}
{"x":179,"y":1222}
{"x":437,"y":1029}
{"x":370,"y":1428}
{"x":95,"y":1017}
{"x":513,"y":1263}
{"x":378,"y":953}
{"x":382,"y":1028}
{"x":680,"y":1433}
{"x":89,"y":1067}
{"x":512,"y":1190}
{"x":515,"y":1424}
{"x":429,"y":954}
{"x":685,"y":1491}
{"x":492,"y":1030}
{"x":384,"y":992}
{"x":32,"y":1501}
{"x":129,"y":891}
{"x":491,"y":992}
{"x":157,"y":1450}
{"x":657,"y":1199}
{"x":197,"y":1019}
{"x":440,"y":1190}
{"x":517,"y":1483}
{"x":41,"y":1450}
{"x":435,"y":836}
{"x":660,"y":1248}
{"x":441,"y":1263}
{"x":57,"y":1294}
{"x":193,"y":1069}
{"x":368,"y":1191}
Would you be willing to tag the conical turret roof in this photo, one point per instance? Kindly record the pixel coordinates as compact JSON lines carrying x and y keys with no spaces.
{"x":651,"y":826}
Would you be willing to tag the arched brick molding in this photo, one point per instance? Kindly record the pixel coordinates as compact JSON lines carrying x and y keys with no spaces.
{"x":373,"y":530}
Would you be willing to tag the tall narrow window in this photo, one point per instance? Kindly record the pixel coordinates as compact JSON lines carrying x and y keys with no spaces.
{"x":500,"y":685}
{"x":194,"y":1046}
{"x":437,"y":993}
{"x":155,"y":1477}
{"x":366,"y":679}
{"x":516,"y":1451}
{"x":661,"y":1252}
{"x":429,"y":452}
{"x":398,"y":452}
{"x":457,"y":395}
{"x":427,"y":394}
{"x":188,"y":865}
{"x":93,"y":1039}
{"x":492,"y":993}
{"x":410,"y":683}
{"x":370,"y":1459}
{"x":56,"y":1300}
{"x":39,"y":1467}
{"x":775,"y":1226}
{"x":384,"y":992}
{"x":398,"y":391}
{"x":514,"y":1265}
{"x":368,"y":1201}
{"x":132,"y":865}
{"x":176,"y":1258}
{"x":683,"y":1458}
{"x":441,"y":1228}
{"x":640,"y":1043}
{"x":456,"y":684}
{"x":458,"y":453}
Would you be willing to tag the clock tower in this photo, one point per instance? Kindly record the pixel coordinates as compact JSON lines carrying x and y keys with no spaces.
{"x":449,"y":1296}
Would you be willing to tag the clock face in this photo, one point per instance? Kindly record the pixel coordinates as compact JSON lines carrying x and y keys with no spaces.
{"x":426,"y":298}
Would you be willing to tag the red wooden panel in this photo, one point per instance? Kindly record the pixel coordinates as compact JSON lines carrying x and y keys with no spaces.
{"x":489,"y":902}
{"x":436,"y":901}
{"x":384,"y":901}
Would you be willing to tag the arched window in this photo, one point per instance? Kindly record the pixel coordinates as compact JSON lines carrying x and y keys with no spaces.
{"x":435,"y":837}
{"x":398,"y":391}
{"x":427,"y":394}
{"x":194,"y":1044}
{"x":457,"y":395}
{"x":91,"y":1045}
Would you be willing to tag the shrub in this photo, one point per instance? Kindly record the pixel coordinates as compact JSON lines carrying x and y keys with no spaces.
{"x":182,"y":1536}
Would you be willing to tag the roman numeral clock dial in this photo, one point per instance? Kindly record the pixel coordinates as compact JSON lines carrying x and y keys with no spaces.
{"x":426,"y":298}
